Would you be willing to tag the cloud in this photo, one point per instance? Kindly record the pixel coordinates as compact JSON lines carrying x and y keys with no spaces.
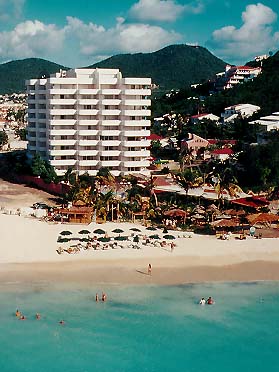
{"x":80,"y":42}
{"x":30,"y":39}
{"x":122,"y":38}
{"x":10,"y":9}
{"x":255,"y":36}
{"x":162,"y":10}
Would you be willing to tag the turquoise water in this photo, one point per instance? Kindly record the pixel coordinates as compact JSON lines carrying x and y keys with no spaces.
{"x":141,"y":329}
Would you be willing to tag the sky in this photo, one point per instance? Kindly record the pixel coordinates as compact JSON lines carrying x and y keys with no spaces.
{"x":80,"y":33}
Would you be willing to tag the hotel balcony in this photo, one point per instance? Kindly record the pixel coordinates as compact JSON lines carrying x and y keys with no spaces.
{"x":62,"y":122}
{"x":89,"y":132}
{"x":88,"y":122}
{"x":137,"y":112}
{"x":92,"y":112}
{"x":67,"y":162}
{"x":88,"y":91}
{"x":63,"y":152}
{"x":111,"y":102}
{"x":88,"y":163}
{"x":88,"y":142}
{"x":110,"y":91}
{"x":140,"y":143}
{"x":139,"y":163}
{"x":134,"y":92}
{"x":63,"y":91}
{"x":62,"y":101}
{"x":137,"y":123}
{"x":137,"y":81}
{"x":88,"y":152}
{"x":138,"y":102}
{"x":62,"y":111}
{"x":110,"y":142}
{"x":137,"y":133}
{"x":109,"y":152}
{"x":69,"y":142}
{"x":108,"y":112}
{"x":62,"y":132}
{"x":88,"y":101}
{"x":110,"y":132}
{"x":63,"y":80}
{"x":110,"y":122}
{"x":110,"y":163}
{"x":137,"y":153}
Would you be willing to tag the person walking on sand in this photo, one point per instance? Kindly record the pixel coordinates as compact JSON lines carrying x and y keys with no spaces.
{"x":172,"y":245}
{"x":149,"y":269}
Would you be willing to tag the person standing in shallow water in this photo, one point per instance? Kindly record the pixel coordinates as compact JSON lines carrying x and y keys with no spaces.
{"x":97,"y":297}
{"x":149,"y":269}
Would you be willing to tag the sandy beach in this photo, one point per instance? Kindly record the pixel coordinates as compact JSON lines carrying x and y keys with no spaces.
{"x":28,"y":252}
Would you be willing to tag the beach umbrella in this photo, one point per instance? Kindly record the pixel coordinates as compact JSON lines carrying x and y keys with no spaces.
{"x":99,"y":231}
{"x":103,"y":239}
{"x":63,"y":240}
{"x":156,"y":236}
{"x":135,"y":229}
{"x":84,"y":232}
{"x":66,"y":232}
{"x":121,"y":238}
{"x":117,"y":231}
{"x":84,"y":240}
{"x":151,"y":228}
{"x":136,"y":239}
{"x":169,"y":237}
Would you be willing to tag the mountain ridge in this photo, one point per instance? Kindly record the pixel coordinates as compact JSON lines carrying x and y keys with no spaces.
{"x":173,"y":67}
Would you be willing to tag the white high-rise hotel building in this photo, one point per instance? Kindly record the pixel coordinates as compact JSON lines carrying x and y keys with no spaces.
{"x":86,"y":119}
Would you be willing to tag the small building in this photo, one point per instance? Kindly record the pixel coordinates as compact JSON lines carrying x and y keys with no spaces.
{"x":193,"y":144}
{"x":244,"y":110}
{"x":77,"y":213}
{"x":268,"y":123}
{"x":221,"y":154}
{"x":197,"y":118}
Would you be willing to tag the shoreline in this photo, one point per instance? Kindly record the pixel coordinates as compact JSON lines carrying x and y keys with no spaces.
{"x":28,"y":254}
{"x":135,"y":273}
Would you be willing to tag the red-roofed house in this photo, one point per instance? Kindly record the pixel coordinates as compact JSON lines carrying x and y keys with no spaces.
{"x":222,"y":154}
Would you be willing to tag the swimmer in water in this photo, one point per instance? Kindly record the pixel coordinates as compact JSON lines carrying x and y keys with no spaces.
{"x":62,"y":322}
{"x":22,"y":317}
{"x":104,"y":297}
{"x":38,"y":316}
{"x":18,"y":313}
{"x":210,"y":301}
{"x":202,"y":301}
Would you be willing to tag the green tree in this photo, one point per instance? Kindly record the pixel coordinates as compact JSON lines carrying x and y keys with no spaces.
{"x":3,"y":138}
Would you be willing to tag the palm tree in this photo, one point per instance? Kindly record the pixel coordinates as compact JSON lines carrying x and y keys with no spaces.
{"x":225,"y":180}
{"x":188,"y":179}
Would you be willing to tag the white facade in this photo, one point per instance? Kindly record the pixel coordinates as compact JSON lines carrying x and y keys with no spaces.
{"x":268,"y":123}
{"x":240,"y":74}
{"x":86,"y":119}
{"x":244,"y":110}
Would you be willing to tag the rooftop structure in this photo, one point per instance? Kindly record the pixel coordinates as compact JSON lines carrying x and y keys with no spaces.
{"x":268,"y":123}
{"x":86,"y":119}
{"x":204,"y":116}
{"x":244,"y":110}
{"x":234,"y":75}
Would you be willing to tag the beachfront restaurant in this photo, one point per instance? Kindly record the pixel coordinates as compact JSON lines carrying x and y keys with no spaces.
{"x":75,"y":214}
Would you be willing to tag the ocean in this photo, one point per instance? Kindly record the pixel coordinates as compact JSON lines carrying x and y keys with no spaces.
{"x":150,"y":328}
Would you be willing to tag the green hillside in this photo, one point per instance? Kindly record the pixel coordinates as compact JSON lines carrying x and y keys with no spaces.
{"x":173,"y":67}
{"x":262,"y":91}
{"x":13,"y":74}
